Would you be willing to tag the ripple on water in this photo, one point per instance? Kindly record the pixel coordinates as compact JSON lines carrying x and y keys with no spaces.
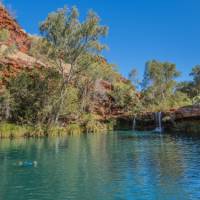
{"x":119,"y":165}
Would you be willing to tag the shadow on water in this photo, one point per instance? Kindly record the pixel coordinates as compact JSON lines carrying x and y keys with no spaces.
{"x":152,"y":134}
{"x":139,"y":135}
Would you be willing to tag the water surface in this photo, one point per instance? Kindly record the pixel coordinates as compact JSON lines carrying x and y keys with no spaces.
{"x":113,"y":166}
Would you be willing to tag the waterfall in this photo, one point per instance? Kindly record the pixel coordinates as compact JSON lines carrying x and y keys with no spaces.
{"x":158,"y":119}
{"x":134,"y":123}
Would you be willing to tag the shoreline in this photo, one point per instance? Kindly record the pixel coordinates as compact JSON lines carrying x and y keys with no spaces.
{"x":14,"y":131}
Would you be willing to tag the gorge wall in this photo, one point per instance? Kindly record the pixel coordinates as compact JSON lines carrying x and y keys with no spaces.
{"x":17,"y":34}
{"x":183,"y":120}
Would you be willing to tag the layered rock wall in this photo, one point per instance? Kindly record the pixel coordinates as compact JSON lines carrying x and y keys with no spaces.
{"x":17,"y":35}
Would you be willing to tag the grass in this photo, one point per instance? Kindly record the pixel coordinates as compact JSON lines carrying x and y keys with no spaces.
{"x":57,"y":131}
{"x":74,"y":129}
{"x":94,"y":126}
{"x":10,"y":130}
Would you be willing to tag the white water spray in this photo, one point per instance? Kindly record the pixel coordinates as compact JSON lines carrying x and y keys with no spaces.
{"x":158,"y":119}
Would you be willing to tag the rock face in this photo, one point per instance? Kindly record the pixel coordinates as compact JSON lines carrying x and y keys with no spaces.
{"x":187,"y":112}
{"x":17,"y":35}
{"x":185,"y":120}
{"x":14,"y":51}
{"x":182,"y":120}
{"x":19,"y":59}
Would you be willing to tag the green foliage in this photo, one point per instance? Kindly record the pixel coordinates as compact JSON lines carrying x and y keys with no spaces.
{"x":4,"y":38}
{"x":111,"y":124}
{"x":158,"y":73}
{"x":74,"y":129}
{"x":69,"y":36}
{"x":159,"y":87}
{"x":94,"y":69}
{"x":28,"y":96}
{"x":92,"y":124}
{"x":133,"y":77}
{"x":71,"y":103}
{"x":196,"y":74}
{"x":196,"y":81}
{"x":29,"y":93}
{"x":124,"y":95}
{"x":56,"y":131}
{"x":95,"y":126}
{"x":65,"y":93}
{"x":8,"y":130}
{"x":186,"y":87}
{"x":5,"y":105}
{"x":41,"y":49}
{"x":192,"y":88}
{"x":4,"y":35}
{"x":69,"y":42}
{"x":196,"y":100}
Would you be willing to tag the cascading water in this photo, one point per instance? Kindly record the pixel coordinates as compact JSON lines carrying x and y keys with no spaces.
{"x":158,"y":119}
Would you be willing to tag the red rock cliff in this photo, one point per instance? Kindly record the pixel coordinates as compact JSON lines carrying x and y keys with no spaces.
{"x":17,"y":35}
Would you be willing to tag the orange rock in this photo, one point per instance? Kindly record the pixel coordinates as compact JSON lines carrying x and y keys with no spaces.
{"x":17,"y":35}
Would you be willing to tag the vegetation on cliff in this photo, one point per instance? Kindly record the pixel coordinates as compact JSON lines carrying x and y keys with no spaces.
{"x":69,"y":84}
{"x":159,"y":89}
{"x":76,"y":88}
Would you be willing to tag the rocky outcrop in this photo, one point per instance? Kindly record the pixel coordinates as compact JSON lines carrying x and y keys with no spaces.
{"x":17,"y":34}
{"x":13,"y":51}
{"x":181,"y":119}
{"x":187,"y":112}
{"x":185,"y":120}
{"x":20,"y":59}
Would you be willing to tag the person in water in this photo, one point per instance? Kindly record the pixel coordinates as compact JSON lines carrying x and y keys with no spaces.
{"x":27,"y":163}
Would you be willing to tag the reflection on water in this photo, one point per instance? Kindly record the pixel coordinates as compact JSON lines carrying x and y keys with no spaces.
{"x":114,"y":166}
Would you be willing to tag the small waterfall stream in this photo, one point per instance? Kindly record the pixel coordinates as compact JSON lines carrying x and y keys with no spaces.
{"x":158,"y":119}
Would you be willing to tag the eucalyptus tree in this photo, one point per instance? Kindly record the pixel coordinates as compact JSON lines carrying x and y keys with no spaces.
{"x":186,"y":87}
{"x":196,"y":79}
{"x":160,"y":74}
{"x":133,"y":77}
{"x":159,"y":83}
{"x":69,"y":40}
{"x":191,"y":88}
{"x":95,"y":69}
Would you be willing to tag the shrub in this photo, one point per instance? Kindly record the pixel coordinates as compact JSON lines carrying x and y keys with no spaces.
{"x":8,"y":130}
{"x":73,"y":129}
{"x":95,"y":126}
{"x":56,"y":131}
{"x":4,"y":35}
{"x":111,"y":124}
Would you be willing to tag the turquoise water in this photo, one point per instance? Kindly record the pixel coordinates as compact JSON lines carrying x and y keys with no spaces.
{"x":114,"y":166}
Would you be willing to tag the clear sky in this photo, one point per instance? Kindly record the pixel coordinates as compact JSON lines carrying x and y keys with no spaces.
{"x":140,"y":30}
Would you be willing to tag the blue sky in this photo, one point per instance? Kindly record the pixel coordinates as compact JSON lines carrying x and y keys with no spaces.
{"x":140,"y":30}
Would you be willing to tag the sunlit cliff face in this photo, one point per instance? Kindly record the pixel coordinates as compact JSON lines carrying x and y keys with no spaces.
{"x":17,"y":34}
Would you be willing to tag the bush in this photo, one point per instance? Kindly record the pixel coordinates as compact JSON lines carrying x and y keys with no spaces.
{"x":4,"y":35}
{"x":95,"y":126}
{"x":29,"y":93}
{"x":73,"y":129}
{"x":8,"y":130}
{"x":56,"y":131}
{"x":111,"y":124}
